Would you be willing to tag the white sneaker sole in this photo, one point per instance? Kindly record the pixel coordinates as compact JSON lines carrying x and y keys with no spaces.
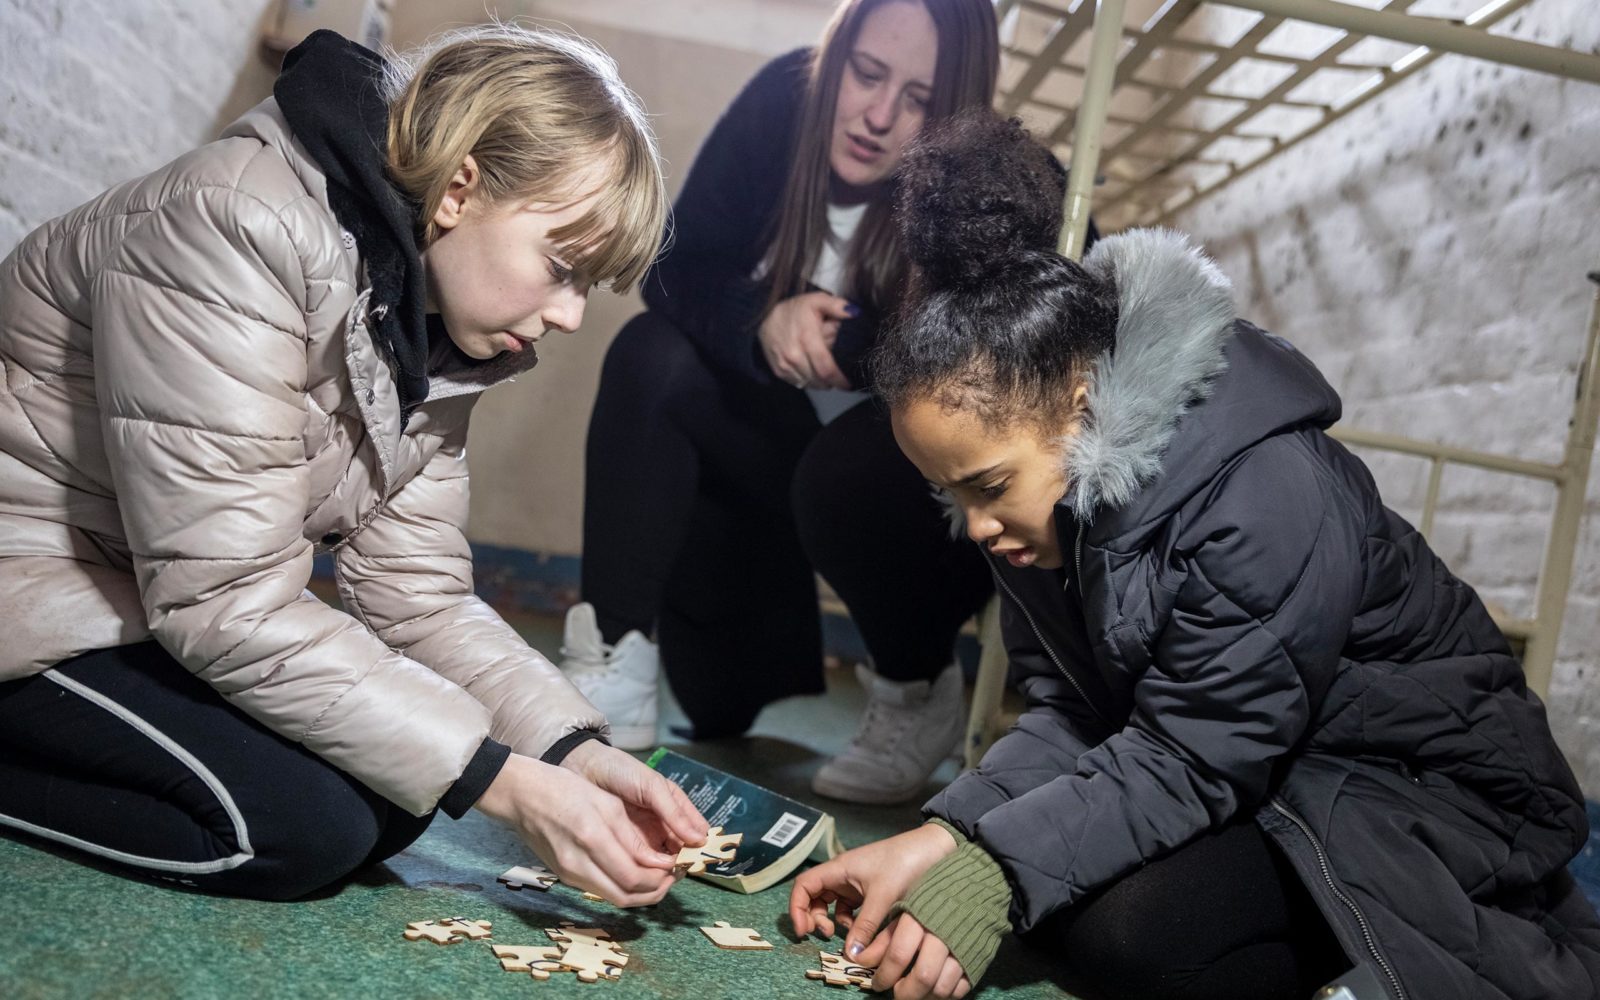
{"x":634,"y":737}
{"x":865,"y":796}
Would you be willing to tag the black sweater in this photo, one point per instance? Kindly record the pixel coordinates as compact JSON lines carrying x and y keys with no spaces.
{"x":724,"y":218}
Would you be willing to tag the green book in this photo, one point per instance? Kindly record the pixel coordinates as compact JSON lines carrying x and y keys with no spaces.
{"x":779,"y":833}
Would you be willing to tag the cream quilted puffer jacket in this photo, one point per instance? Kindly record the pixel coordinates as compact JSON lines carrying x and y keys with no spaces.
{"x":192,"y":406}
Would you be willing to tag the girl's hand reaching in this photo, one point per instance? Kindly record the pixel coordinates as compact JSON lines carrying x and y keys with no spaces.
{"x":914,"y":963}
{"x":663,"y":814}
{"x":583,"y":832}
{"x":862,"y":886}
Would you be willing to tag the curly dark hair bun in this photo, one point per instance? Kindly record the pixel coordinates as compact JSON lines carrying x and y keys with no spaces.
{"x":995,"y":322}
{"x":973,"y":191}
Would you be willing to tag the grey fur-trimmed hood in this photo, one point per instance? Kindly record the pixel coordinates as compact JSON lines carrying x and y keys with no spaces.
{"x":1186,"y":388}
{"x":1175,"y":316}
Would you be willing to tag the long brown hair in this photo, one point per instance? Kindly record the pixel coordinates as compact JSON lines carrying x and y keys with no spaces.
{"x":964,"y":75}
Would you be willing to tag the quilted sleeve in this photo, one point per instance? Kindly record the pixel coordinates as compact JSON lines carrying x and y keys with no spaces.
{"x":1269,"y":592}
{"x":408,"y":576}
{"x":200,"y":371}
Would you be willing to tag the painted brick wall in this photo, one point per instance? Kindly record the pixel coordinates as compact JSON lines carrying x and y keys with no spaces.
{"x":1428,"y":253}
{"x":93,"y":92}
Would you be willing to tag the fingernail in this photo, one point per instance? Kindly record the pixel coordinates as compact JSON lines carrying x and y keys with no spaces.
{"x":855,"y":949}
{"x":852,"y":310}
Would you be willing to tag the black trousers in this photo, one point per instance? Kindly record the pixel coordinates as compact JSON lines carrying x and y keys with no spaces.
{"x":709,"y":503}
{"x":124,"y":757}
{"x":1224,"y":917}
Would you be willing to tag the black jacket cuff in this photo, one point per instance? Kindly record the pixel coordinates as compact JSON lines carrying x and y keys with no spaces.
{"x":481,"y":771}
{"x":560,"y":748}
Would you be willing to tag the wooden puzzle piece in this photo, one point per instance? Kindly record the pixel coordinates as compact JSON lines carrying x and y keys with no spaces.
{"x":536,"y":960}
{"x":591,"y":897}
{"x":860,"y":974}
{"x":836,"y":971}
{"x":472,"y":930}
{"x":569,"y":934}
{"x":447,"y":931}
{"x":437,"y":933}
{"x":593,"y":961}
{"x":529,"y":877}
{"x":735,"y":938}
{"x":718,"y":847}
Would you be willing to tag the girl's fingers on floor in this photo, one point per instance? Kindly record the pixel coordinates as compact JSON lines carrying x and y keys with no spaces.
{"x":903,"y":937}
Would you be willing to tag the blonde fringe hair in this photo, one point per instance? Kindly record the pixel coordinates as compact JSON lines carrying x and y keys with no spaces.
{"x":535,"y":109}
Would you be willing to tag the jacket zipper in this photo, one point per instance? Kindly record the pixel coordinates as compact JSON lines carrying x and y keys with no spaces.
{"x":1049,"y":651}
{"x":1277,"y":804}
{"x":1327,"y":876}
{"x":1077,"y":557}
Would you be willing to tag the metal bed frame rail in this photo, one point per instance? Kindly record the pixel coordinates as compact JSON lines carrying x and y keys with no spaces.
{"x":1537,"y":635}
{"x":1146,"y":196}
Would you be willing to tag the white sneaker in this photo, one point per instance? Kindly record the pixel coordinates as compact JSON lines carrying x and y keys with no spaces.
{"x":909,"y":728}
{"x":618,"y":680}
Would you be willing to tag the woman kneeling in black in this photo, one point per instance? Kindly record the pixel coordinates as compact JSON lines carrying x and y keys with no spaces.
{"x":1270,"y":739}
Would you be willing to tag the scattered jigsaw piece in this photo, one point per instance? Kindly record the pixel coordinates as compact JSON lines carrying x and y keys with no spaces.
{"x":836,"y":971}
{"x":588,"y":951}
{"x":447,"y":931}
{"x":735,"y":938}
{"x":437,"y":933}
{"x":830,"y":978}
{"x":522,"y":877}
{"x":593,"y":961}
{"x":591,"y":897}
{"x":718,"y":847}
{"x":569,"y":934}
{"x":535,"y":960}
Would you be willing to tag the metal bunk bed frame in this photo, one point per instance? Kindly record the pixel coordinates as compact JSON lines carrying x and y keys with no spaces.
{"x":1180,"y":179}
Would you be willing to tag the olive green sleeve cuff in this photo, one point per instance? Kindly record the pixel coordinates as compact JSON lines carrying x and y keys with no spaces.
{"x":960,"y":837}
{"x":965,"y":901}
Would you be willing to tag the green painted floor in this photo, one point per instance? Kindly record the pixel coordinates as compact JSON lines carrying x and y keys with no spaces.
{"x":75,"y":932}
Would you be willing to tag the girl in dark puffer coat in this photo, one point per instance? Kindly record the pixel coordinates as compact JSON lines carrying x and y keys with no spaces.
{"x":1270,"y":740}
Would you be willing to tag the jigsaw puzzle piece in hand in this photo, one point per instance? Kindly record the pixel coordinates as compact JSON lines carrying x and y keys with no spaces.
{"x":836,"y":971}
{"x":718,"y":847}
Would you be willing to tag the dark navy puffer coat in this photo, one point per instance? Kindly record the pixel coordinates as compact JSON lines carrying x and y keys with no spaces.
{"x":1247,"y":629}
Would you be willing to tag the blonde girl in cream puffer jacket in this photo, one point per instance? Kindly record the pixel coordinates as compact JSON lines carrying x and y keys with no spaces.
{"x":270,"y":347}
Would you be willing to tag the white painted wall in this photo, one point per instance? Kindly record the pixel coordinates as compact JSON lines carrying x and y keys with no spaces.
{"x":1428,"y":252}
{"x":93,"y":92}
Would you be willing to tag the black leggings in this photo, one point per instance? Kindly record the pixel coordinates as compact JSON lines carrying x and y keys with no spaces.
{"x":123,"y":755}
{"x":1224,"y":917}
{"x":709,"y":503}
